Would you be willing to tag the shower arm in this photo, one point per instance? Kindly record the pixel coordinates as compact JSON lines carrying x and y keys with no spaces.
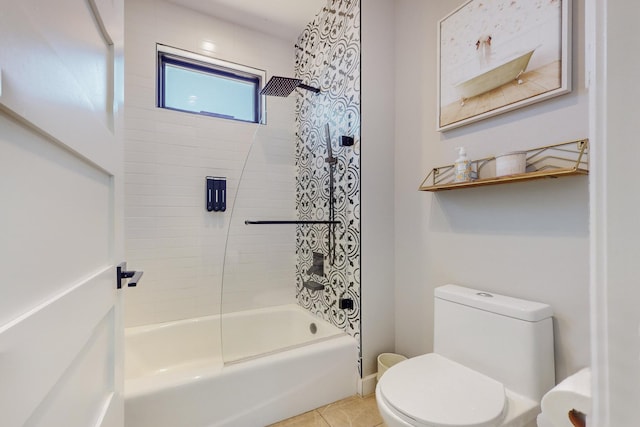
{"x":310,"y":88}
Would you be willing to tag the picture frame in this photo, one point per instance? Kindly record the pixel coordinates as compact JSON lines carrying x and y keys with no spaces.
{"x":496,"y":56}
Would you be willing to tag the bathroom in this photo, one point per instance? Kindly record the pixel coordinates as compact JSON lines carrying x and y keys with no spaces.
{"x":512,"y":227}
{"x":530,"y":240}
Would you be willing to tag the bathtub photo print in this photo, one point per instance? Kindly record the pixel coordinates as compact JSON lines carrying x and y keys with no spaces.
{"x":498,"y":55}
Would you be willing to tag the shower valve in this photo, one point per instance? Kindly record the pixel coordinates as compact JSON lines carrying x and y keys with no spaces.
{"x":318,"y":264}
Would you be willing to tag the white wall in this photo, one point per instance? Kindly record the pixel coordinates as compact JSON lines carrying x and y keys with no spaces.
{"x":168,"y":232}
{"x":528,"y":240}
{"x":615,"y":226}
{"x":377,"y":177}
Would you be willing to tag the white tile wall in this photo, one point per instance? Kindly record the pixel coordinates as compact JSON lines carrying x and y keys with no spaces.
{"x":169,"y":234}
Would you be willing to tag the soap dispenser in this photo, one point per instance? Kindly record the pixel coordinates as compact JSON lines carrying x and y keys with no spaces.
{"x":462,"y":166}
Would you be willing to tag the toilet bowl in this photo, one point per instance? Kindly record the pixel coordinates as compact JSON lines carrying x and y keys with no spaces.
{"x":431,"y":390}
{"x":492,"y":361}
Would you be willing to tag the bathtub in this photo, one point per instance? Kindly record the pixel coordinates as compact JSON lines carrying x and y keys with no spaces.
{"x":505,"y":71}
{"x":175,"y":375}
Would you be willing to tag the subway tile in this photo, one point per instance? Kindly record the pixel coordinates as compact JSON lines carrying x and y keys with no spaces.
{"x":167,"y":156}
{"x":139,"y":135}
{"x":138,"y":313}
{"x":137,"y":123}
{"x":132,"y":177}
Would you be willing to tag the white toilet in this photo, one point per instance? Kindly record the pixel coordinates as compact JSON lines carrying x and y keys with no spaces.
{"x":492,"y":362}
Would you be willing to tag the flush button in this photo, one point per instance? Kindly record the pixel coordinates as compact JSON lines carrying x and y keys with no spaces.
{"x":484,"y":294}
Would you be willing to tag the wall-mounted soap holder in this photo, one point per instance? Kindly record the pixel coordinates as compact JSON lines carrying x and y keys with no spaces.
{"x":216,"y":194}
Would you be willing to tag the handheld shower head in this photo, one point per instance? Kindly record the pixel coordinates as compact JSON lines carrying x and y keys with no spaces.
{"x":330,"y":159}
{"x":283,"y":86}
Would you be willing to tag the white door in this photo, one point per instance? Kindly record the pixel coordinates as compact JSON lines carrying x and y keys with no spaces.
{"x":60,"y":213}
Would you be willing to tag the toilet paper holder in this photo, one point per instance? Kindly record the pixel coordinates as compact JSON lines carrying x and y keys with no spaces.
{"x":577,"y":418}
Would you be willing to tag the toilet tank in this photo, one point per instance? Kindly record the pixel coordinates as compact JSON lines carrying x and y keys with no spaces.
{"x":508,"y":339}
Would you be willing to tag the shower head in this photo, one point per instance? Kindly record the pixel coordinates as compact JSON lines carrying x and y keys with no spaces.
{"x":283,"y":86}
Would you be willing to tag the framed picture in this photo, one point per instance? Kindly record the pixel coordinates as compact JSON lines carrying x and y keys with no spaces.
{"x":498,"y":55}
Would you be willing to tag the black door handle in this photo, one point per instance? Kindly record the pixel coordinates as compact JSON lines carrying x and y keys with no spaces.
{"x":122,"y":273}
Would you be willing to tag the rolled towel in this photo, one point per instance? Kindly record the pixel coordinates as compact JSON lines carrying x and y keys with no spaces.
{"x":573,"y":393}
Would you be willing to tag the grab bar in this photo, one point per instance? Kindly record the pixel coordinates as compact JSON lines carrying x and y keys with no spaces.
{"x":253,"y":222}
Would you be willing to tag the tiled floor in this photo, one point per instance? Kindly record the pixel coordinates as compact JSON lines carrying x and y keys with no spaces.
{"x":353,"y":411}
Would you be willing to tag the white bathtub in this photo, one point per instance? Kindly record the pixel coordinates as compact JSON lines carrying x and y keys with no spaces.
{"x":175,"y":376}
{"x":505,"y":71}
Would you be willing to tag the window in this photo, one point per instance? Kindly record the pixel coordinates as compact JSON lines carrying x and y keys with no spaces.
{"x":198,"y":84}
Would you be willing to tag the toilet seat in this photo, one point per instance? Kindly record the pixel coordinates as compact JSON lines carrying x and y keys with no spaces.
{"x":431,"y":390}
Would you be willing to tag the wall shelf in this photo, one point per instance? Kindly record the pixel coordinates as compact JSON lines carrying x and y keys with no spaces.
{"x":550,"y":161}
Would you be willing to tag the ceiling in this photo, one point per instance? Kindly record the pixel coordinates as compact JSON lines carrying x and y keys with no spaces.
{"x":281,"y":18}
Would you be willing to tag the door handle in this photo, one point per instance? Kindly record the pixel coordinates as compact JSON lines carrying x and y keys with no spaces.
{"x":122,"y":273}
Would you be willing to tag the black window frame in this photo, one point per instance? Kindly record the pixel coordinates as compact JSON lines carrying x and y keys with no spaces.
{"x":164,"y":57}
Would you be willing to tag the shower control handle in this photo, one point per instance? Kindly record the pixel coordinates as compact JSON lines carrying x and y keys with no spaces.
{"x":122,"y":273}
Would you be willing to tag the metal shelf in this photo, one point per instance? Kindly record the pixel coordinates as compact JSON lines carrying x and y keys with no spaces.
{"x":551,"y":161}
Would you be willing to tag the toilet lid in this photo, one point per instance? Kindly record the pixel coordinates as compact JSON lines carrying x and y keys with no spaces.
{"x":436,"y":391}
